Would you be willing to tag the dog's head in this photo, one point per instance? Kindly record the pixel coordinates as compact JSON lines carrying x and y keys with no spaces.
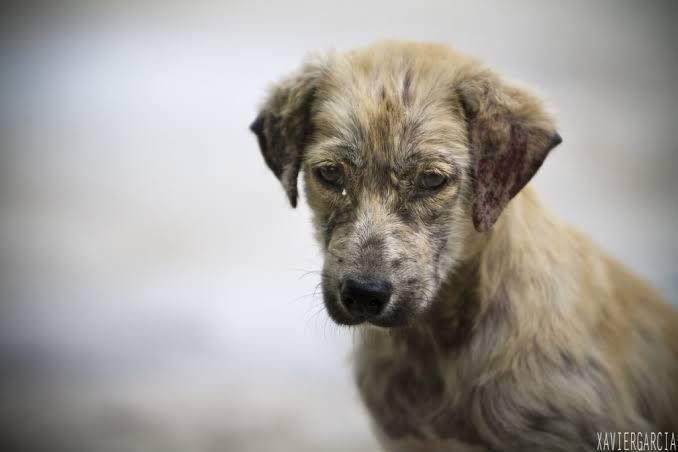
{"x":409,"y":154}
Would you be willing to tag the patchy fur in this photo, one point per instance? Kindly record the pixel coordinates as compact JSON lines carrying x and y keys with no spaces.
{"x":508,"y":330}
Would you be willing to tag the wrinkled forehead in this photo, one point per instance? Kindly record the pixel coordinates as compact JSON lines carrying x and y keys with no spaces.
{"x":394,"y":118}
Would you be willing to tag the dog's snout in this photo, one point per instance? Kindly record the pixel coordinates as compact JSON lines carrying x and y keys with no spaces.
{"x":365,"y":297}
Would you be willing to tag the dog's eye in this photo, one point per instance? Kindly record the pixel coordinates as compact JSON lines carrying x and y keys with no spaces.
{"x":330,"y":174}
{"x":431,"y":181}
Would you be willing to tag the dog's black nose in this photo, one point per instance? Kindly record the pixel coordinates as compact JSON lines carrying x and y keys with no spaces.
{"x":365,"y":297}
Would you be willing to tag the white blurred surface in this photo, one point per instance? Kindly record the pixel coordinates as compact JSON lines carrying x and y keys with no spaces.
{"x":154,"y":282}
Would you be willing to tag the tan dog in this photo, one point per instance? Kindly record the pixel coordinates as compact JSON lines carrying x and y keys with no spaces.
{"x":485,"y":322}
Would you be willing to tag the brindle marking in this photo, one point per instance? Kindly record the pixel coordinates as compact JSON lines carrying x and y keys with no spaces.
{"x":509,"y":330}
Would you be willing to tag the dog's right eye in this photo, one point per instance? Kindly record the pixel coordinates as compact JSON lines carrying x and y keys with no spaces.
{"x":330,"y":175}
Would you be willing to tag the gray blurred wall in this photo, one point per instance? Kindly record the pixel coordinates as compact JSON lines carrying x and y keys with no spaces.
{"x":157,"y":290}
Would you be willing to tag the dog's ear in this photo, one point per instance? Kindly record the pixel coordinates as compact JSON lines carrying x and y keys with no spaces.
{"x":510,"y":135}
{"x":283,"y":125}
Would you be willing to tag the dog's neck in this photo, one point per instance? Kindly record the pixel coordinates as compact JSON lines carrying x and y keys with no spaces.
{"x":456,"y":307}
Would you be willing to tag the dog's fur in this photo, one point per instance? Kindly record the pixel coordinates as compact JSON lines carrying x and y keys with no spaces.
{"x":509,"y":330}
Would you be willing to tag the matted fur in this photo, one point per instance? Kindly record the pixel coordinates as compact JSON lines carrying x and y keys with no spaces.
{"x":509,"y":330}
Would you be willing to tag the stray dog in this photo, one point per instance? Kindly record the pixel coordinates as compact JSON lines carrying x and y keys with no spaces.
{"x":486,"y":323}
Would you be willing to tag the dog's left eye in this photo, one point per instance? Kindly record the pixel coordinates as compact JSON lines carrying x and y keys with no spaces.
{"x":431,"y":181}
{"x":331,"y":175}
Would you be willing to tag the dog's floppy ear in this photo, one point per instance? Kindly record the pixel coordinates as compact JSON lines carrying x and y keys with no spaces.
{"x":510,"y":135}
{"x":283,"y":126}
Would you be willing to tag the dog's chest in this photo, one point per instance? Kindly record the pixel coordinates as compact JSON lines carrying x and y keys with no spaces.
{"x":408,"y":398}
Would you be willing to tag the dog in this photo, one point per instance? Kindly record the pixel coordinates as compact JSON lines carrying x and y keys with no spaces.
{"x":484,"y":322}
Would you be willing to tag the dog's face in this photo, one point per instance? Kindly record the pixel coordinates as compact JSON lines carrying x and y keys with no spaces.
{"x":409,"y":154}
{"x":386,"y":176}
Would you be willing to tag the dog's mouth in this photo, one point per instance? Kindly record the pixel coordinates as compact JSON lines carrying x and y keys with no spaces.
{"x":398,"y":316}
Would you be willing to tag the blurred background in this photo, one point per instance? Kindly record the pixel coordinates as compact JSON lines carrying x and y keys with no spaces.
{"x":157,"y":291}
